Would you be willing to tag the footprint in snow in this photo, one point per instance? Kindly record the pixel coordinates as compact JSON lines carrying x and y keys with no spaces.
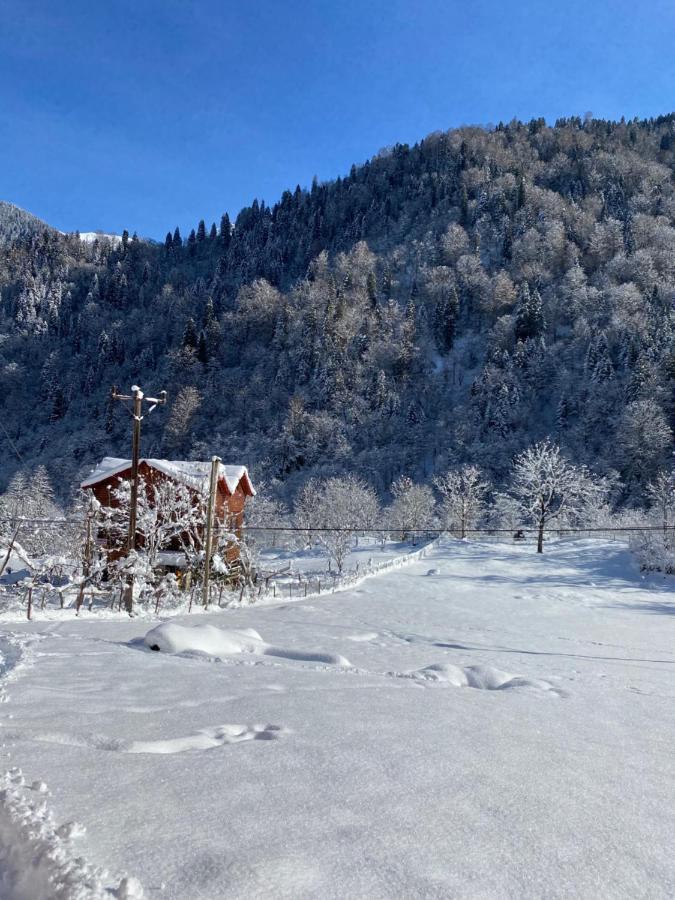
{"x":205,"y":739}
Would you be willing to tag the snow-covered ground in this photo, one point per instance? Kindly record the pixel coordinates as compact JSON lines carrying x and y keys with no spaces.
{"x":314,"y":561}
{"x":483,"y":723}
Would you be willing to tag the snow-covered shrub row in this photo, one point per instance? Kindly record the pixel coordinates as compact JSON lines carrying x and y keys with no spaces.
{"x":654,"y":550}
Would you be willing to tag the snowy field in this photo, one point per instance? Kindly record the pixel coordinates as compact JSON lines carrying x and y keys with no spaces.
{"x":483,"y":723}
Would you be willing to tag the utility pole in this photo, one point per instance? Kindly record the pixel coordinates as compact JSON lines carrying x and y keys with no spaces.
{"x":86,"y":566}
{"x":213,"y":487}
{"x":138,"y":397}
{"x":135,"y":453}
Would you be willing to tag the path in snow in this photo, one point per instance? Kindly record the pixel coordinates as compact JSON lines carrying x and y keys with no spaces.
{"x":503,"y":728}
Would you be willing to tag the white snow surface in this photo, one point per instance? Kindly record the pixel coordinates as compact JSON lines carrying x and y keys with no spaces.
{"x":90,"y":236}
{"x":194,"y":474}
{"x":504,"y":729}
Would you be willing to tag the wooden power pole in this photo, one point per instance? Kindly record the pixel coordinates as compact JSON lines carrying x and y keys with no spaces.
{"x":138,"y":398}
{"x":213,"y":488}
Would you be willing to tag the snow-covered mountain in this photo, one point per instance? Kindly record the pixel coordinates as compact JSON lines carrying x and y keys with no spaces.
{"x":90,"y":236}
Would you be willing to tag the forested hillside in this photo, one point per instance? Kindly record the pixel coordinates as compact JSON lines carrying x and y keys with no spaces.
{"x":16,"y":223}
{"x":447,"y":302}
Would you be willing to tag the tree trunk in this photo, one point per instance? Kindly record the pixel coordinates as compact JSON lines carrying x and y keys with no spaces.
{"x":540,"y":538}
{"x":12,"y":540}
{"x":129,"y":597}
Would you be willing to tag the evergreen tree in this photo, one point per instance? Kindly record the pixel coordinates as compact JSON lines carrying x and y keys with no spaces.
{"x":202,"y":349}
{"x":529,"y":319}
{"x":371,"y":289}
{"x":225,"y":231}
{"x":190,"y":339}
{"x":59,"y":406}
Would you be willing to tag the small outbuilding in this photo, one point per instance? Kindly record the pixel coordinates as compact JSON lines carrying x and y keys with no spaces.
{"x":234,"y":487}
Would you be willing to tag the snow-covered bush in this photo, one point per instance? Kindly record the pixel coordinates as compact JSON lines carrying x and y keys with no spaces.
{"x":654,"y":543}
{"x":166,"y":512}
{"x":167,"y":593}
{"x":654,"y":550}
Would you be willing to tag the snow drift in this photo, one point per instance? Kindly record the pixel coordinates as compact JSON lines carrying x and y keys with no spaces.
{"x":207,"y":640}
{"x":485,"y":678}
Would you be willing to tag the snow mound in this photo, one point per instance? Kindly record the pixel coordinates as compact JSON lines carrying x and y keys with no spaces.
{"x":316,"y":656}
{"x":484,"y":678}
{"x":37,"y":858}
{"x":208,"y":640}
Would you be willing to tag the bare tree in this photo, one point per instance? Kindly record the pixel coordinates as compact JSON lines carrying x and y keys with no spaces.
{"x":645,"y":438}
{"x":264,"y":511}
{"x":183,"y":411}
{"x":463,"y":492}
{"x":307,"y":508}
{"x":340,"y":507}
{"x":661,"y":494}
{"x":413,"y":506}
{"x":547,"y":486}
{"x":350,"y":504}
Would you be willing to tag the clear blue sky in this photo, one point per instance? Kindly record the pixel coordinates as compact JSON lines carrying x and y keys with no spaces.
{"x":145,"y":114}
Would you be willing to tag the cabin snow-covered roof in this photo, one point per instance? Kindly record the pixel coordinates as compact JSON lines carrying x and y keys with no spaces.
{"x":194,"y":474}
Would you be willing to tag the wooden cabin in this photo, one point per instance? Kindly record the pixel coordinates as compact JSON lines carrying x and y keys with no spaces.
{"x":234,"y":487}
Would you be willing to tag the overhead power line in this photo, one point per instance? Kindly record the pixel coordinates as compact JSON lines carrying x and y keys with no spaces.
{"x":379,"y":529}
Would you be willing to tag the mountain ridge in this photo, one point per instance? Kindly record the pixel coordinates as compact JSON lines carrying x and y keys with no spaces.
{"x":448,"y":301}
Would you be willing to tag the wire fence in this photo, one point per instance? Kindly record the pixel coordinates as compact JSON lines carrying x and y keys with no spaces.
{"x":298,"y":585}
{"x":383,"y":528}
